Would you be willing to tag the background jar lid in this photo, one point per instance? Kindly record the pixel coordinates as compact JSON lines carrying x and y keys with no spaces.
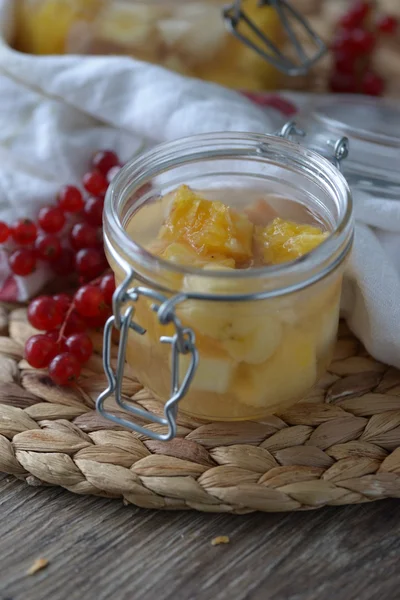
{"x":373,"y":128}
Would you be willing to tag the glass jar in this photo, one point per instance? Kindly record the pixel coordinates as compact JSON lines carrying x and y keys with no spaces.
{"x":373,"y":128}
{"x":237,"y":345}
{"x":198,"y":38}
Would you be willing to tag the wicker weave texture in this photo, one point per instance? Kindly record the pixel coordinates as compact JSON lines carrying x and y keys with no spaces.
{"x":340,"y":445}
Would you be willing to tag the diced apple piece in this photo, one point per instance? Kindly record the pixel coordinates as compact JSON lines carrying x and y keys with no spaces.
{"x":260,"y":212}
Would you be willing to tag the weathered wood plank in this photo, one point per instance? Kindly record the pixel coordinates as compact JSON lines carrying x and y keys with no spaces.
{"x":99,"y":548}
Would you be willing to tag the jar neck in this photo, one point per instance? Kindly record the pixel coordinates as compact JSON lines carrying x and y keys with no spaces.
{"x":263,"y":158}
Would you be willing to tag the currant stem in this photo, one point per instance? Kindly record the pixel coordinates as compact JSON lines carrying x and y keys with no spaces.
{"x":72,"y":306}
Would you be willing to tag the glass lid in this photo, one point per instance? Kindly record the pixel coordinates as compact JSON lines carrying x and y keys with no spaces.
{"x":372,"y":126}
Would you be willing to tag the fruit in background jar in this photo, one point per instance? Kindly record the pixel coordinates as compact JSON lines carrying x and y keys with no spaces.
{"x":249,"y":62}
{"x":196,"y":31}
{"x":208,"y":227}
{"x":290,"y":372}
{"x":130,"y":25}
{"x":282,"y":241}
{"x":43,"y":27}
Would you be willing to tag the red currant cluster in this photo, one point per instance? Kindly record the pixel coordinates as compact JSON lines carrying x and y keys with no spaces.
{"x":66,"y":345}
{"x":74,"y":218}
{"x":68,"y":237}
{"x":353,"y":47}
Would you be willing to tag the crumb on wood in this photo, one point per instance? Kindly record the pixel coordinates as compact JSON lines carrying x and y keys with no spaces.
{"x":221,"y":539}
{"x":38,"y":565}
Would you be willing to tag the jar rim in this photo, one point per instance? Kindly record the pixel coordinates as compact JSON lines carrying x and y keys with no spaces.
{"x":140,"y":170}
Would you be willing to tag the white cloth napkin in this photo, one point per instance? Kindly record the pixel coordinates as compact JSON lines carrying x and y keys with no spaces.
{"x":55,"y":111}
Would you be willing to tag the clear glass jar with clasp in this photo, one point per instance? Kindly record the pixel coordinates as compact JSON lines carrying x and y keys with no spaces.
{"x":217,"y":344}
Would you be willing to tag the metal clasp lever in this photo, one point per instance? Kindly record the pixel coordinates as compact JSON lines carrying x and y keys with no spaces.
{"x":182,"y":342}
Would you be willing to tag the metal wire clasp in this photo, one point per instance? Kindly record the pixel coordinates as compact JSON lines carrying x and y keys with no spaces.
{"x":340,"y":146}
{"x":234,"y":17}
{"x":182,"y":342}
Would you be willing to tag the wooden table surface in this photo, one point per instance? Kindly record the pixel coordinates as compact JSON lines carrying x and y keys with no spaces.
{"x":101,"y":549}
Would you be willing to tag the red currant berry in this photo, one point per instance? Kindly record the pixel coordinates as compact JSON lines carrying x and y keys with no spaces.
{"x":89,"y":301}
{"x":84,"y":235}
{"x":51,"y":219}
{"x":356,"y":15}
{"x":63,"y":302}
{"x":104,"y":161}
{"x":54,"y":334}
{"x":44,"y":314}
{"x":24,"y":232}
{"x":93,"y":211}
{"x":48,"y":247}
{"x":372,"y":84}
{"x":40,"y":351}
{"x":64,"y":369}
{"x":344,"y":63}
{"x":22,"y":262}
{"x":70,"y":199}
{"x":344,"y":43}
{"x":387,"y":24}
{"x":107,"y":286}
{"x":95,"y":183}
{"x":98,"y":322}
{"x":4,"y":232}
{"x":65,"y":263}
{"x":80,"y":345}
{"x":112,"y":173}
{"x":343,"y":83}
{"x":90,"y":262}
{"x":74,"y":324}
{"x":364,"y":41}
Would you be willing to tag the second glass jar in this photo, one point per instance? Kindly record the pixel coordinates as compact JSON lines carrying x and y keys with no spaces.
{"x":188,"y":37}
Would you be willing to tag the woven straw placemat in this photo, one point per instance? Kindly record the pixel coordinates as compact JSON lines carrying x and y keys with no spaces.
{"x":340,"y":445}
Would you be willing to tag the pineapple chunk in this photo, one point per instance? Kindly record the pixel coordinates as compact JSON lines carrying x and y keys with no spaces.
{"x":290,"y":372}
{"x":213,"y":374}
{"x":208,"y":227}
{"x":184,"y":255}
{"x":283,"y":241}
